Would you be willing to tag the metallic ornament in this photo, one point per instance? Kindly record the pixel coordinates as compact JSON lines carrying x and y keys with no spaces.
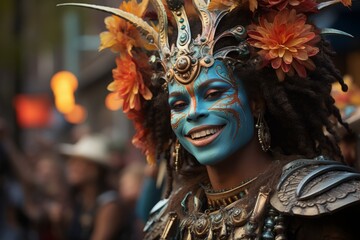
{"x":176,"y":156}
{"x":263,"y":132}
{"x":311,"y":187}
{"x":185,"y":58}
{"x":201,"y":226}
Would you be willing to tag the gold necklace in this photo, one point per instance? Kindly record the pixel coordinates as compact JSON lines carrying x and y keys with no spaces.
{"x":218,"y":199}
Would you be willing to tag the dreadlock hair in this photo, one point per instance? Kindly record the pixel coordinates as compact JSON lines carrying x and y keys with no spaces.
{"x":300,"y":113}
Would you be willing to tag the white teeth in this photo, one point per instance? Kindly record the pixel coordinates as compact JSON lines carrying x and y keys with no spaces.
{"x":204,"y":133}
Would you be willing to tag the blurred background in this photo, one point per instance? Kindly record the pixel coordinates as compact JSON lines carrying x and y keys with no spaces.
{"x":39,"y":41}
{"x":53,"y":85}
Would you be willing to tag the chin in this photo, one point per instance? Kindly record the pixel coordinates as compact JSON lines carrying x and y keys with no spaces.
{"x":210,"y":158}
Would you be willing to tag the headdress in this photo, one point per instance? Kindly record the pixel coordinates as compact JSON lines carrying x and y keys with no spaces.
{"x":279,"y":33}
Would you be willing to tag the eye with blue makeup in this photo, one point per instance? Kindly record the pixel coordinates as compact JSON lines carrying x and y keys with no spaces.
{"x":212,"y":90}
{"x":216,"y":89}
{"x":178,"y":102}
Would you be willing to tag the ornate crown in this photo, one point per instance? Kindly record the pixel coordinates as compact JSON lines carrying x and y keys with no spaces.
{"x":183,"y":60}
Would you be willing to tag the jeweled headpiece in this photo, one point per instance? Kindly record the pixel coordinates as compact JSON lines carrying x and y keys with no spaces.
{"x":182,"y":60}
{"x":279,"y":33}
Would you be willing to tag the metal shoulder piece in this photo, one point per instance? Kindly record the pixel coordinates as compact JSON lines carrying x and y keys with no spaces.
{"x":310,"y":187}
{"x":156,"y":216}
{"x":160,"y":218}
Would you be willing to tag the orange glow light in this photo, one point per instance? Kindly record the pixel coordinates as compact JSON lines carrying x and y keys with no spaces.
{"x":76,"y":115}
{"x":33,"y":111}
{"x":64,"y":81}
{"x":112,"y":102}
{"x":63,"y":85}
{"x":65,"y":103}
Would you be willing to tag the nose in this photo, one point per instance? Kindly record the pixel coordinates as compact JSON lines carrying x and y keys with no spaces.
{"x":197,"y":112}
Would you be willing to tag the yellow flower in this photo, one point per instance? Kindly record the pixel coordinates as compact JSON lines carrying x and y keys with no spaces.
{"x":129,"y":84}
{"x":122,"y":36}
{"x":286,"y":41}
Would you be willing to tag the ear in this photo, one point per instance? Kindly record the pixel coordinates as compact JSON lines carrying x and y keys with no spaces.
{"x":257,"y":106}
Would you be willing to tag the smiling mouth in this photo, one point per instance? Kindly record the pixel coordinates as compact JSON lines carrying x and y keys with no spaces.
{"x":204,"y":136}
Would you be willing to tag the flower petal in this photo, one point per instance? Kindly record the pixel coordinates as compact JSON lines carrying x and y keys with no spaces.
{"x":276,"y":63}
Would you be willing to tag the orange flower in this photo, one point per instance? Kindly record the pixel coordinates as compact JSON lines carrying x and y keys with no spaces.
{"x":298,"y":5}
{"x":286,"y":41}
{"x":128,"y":83}
{"x":121,"y":35}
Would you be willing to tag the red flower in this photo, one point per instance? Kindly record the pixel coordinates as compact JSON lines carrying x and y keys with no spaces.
{"x":286,"y":41}
{"x":142,"y":138}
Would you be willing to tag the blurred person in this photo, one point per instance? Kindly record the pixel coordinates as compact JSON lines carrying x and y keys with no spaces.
{"x":130,"y":182}
{"x":96,"y":208}
{"x":51,"y":197}
{"x":34,"y":189}
{"x":131,"y":179}
{"x":13,"y":220}
{"x":151,"y":191}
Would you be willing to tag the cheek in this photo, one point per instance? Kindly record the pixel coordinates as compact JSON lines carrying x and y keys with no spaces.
{"x":177,"y":121}
{"x":228,"y":107}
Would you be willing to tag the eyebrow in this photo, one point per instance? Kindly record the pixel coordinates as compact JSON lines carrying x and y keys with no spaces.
{"x":176,"y":93}
{"x":202,"y":85}
{"x":208,"y":82}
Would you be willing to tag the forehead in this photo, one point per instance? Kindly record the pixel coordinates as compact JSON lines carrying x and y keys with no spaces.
{"x":217,"y":71}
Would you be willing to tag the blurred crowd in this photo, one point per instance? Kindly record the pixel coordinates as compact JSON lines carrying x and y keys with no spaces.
{"x":80,"y":190}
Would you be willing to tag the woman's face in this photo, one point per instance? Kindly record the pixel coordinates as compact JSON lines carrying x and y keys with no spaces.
{"x":211,"y":116}
{"x":81,"y":171}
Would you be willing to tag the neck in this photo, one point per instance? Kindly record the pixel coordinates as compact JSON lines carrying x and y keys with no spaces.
{"x":88,"y":195}
{"x":245,"y":164}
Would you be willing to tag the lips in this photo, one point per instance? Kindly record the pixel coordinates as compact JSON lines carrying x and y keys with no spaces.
{"x":204,"y":135}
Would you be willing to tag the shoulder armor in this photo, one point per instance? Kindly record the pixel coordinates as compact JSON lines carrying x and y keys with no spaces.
{"x":310,"y":187}
{"x":156,"y":213}
{"x":158,"y":217}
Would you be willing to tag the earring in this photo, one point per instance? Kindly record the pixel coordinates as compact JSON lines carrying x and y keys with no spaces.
{"x":263,"y":133}
{"x":176,"y":156}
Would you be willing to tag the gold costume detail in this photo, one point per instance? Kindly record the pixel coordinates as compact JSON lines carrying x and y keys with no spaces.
{"x":223,"y":198}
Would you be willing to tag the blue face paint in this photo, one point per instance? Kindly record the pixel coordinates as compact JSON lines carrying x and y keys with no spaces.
{"x":211,"y":116}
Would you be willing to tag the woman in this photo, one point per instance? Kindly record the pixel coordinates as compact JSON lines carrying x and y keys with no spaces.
{"x":96,"y":211}
{"x":241,"y":111}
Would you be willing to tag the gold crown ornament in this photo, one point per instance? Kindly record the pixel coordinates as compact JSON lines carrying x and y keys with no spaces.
{"x":182,"y":60}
